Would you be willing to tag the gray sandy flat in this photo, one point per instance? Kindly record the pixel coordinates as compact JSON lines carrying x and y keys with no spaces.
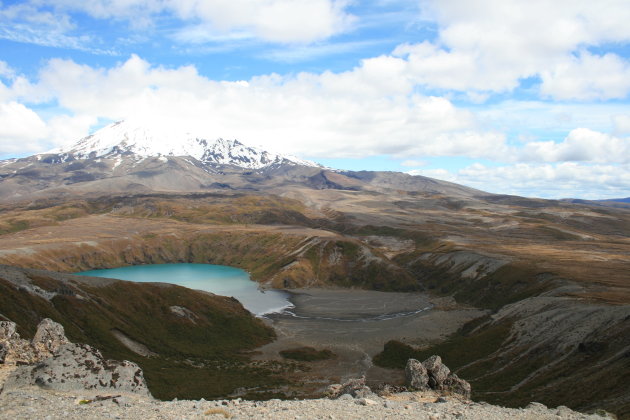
{"x":346,"y":322}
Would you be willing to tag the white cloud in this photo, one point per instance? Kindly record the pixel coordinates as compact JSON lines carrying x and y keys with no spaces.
{"x":563,"y":180}
{"x":201,"y":34}
{"x":588,"y":77}
{"x":435,"y":67}
{"x":531,"y":120}
{"x":371,"y":110}
{"x":490,"y":45}
{"x":297,"y":53}
{"x":413,"y":163}
{"x":64,"y":130}
{"x":6,"y":70}
{"x":284,"y":21}
{"x":28,"y":22}
{"x":21,"y":129}
{"x":581,"y":145}
{"x":442,"y":174}
{"x":358,"y":113}
{"x":621,"y":124}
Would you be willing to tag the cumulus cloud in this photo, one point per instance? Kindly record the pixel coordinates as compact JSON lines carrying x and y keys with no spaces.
{"x":587,"y":77}
{"x":374,"y":106}
{"x":562,"y":180}
{"x":491,"y":46}
{"x":21,"y":129}
{"x":357,"y":113}
{"x":581,"y":145}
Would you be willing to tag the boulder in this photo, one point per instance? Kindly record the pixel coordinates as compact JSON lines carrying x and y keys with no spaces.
{"x":334,"y":390}
{"x":353,"y":387}
{"x":8,"y":331}
{"x":49,"y":338}
{"x":433,"y":374}
{"x":416,"y":375}
{"x":51,"y":361}
{"x":15,"y":349}
{"x":366,"y":401}
{"x":456,"y":385}
{"x":78,"y":367}
{"x":438,"y":372}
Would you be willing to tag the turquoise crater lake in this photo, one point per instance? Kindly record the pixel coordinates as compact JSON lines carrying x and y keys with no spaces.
{"x":218,"y":279}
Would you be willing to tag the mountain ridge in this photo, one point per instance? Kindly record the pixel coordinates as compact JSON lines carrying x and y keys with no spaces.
{"x":124,"y":157}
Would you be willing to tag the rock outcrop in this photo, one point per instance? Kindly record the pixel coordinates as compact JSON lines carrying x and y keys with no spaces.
{"x":433,"y":374}
{"x":416,"y":375}
{"x":52,"y":362}
{"x":49,"y":338}
{"x":430,"y":375}
{"x":356,"y":388}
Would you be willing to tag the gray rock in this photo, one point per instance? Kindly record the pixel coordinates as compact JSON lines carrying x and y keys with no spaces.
{"x":366,"y":401}
{"x":80,"y":367}
{"x":50,"y":336}
{"x":334,"y":390}
{"x":416,"y":375}
{"x":182,"y":312}
{"x":8,"y":331}
{"x":363,"y":392}
{"x":456,"y":385}
{"x":436,"y":370}
{"x":16,"y":349}
{"x":3,"y":352}
{"x":353,"y":387}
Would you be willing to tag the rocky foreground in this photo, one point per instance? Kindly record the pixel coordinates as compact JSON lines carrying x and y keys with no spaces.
{"x":51,"y":378}
{"x":33,"y":403}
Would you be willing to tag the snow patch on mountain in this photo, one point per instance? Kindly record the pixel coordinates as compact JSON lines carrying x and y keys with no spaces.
{"x":123,"y":138}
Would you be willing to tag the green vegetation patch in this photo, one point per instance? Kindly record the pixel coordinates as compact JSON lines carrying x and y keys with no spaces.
{"x":307,"y":354}
{"x":459,"y":350}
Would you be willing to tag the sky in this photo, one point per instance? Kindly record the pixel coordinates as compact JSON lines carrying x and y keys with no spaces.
{"x":525,"y":97}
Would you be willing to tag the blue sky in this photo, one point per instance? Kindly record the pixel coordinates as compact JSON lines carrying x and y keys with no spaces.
{"x":528,"y":98}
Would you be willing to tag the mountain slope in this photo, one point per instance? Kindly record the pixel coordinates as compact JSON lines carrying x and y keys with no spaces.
{"x":130,"y":159}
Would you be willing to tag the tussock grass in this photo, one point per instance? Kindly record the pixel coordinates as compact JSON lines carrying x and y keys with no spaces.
{"x":307,"y":354}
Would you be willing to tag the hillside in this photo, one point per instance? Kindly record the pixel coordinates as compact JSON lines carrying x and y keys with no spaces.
{"x":141,"y":322}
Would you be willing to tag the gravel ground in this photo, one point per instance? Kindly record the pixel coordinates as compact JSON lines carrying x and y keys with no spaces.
{"x":35,"y":403}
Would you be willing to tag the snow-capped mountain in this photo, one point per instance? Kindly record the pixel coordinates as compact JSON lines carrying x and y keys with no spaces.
{"x":123,"y":139}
